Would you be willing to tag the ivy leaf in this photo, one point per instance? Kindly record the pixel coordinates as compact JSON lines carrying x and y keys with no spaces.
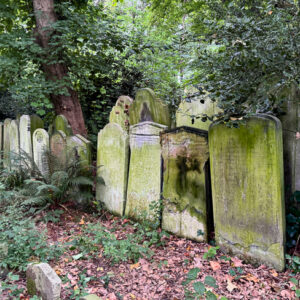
{"x":199,"y":288}
{"x":209,"y":280}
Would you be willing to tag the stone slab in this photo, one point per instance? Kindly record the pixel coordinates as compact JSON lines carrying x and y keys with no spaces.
{"x":25,"y":136}
{"x":40,"y":150}
{"x":186,"y":188}
{"x":144,"y":183}
{"x":146,"y":107}
{"x":248,"y":190}
{"x":112,"y":164}
{"x":14,"y":142}
{"x":6,"y":143}
{"x":58,"y":148}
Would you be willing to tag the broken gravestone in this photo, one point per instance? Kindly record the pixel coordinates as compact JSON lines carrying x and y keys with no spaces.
{"x":112,"y":164}
{"x":6,"y":144}
{"x":43,"y":281}
{"x":120,"y":112}
{"x":186,"y":185}
{"x":41,"y":150}
{"x":144,"y":183}
{"x":248,"y":190}
{"x":146,"y":107}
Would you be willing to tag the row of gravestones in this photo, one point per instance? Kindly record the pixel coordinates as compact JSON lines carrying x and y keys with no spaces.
{"x":241,"y":169}
{"x":25,"y":139}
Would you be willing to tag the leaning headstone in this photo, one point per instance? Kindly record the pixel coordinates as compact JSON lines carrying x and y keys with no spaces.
{"x":120,"y":112}
{"x":58,"y":149}
{"x":186,"y":186}
{"x":248,"y":191}
{"x":144,"y":183}
{"x":61,"y":124}
{"x":112,"y":164}
{"x":25,"y":135}
{"x":41,"y":149}
{"x":42,"y":281}
{"x":146,"y":107}
{"x":194,"y":113}
{"x":6,"y":143}
{"x":14,"y":142}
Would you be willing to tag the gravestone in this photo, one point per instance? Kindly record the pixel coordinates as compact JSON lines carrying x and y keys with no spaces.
{"x":60,"y":123}
{"x":144,"y":183}
{"x":40,"y":150}
{"x":42,"y":281}
{"x":186,"y":186}
{"x":146,"y":107}
{"x":112,"y":164}
{"x":120,"y":112}
{"x":25,"y":135}
{"x":248,"y":191}
{"x":35,"y":123}
{"x":58,"y":149}
{"x":191,"y":113}
{"x":1,"y":143}
{"x":14,"y":142}
{"x":6,"y":143}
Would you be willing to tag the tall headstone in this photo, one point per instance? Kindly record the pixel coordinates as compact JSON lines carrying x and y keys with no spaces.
{"x":35,"y":123}
{"x":248,"y":190}
{"x":6,"y":144}
{"x":25,"y":135}
{"x":194,"y":113}
{"x":144,"y":183}
{"x":146,"y":107}
{"x":120,"y":112}
{"x":40,"y":150}
{"x":112,"y":167}
{"x":14,"y":142}
{"x":61,"y":124}
{"x":186,"y":185}
{"x":58,"y":149}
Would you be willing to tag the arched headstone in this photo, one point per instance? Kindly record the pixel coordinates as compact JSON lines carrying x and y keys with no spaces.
{"x":6,"y":143}
{"x":144,"y":183}
{"x":147,"y":108}
{"x":248,"y":190}
{"x":58,"y":149}
{"x":40,"y":150}
{"x":112,"y":164}
{"x":120,"y":112}
{"x":186,"y":185}
{"x":60,"y":123}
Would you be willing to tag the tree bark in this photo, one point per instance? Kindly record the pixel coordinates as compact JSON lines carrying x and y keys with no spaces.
{"x":69,"y":106}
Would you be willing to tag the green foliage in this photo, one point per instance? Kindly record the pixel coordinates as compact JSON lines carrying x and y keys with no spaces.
{"x":211,"y":253}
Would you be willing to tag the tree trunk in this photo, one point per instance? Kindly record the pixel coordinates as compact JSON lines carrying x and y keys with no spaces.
{"x":69,"y":106}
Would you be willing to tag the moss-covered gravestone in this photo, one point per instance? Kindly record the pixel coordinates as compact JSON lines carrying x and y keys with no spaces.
{"x":35,"y":123}
{"x":146,"y":107}
{"x":144,"y":183}
{"x":248,"y":191}
{"x":120,"y":112}
{"x":186,"y":186}
{"x":60,"y":123}
{"x":193,"y":113}
{"x":14,"y":143}
{"x":40,"y":150}
{"x":112,"y":164}
{"x":58,"y":148}
{"x":6,"y":143}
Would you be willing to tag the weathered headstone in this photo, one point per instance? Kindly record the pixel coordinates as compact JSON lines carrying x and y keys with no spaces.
{"x":247,"y":189}
{"x":144,"y":183}
{"x":112,"y":164}
{"x":186,"y":186}
{"x":43,"y":281}
{"x":40,"y":149}
{"x":120,"y":112}
{"x":146,"y":107}
{"x":61,"y":124}
{"x":6,"y":143}
{"x":193,"y":113}
{"x":14,"y":142}
{"x":25,"y":135}
{"x":35,"y":123}
{"x":58,"y":149}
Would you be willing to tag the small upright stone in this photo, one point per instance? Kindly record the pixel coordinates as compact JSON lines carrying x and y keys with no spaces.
{"x":61,"y":124}
{"x":186,"y":187}
{"x":112,"y":167}
{"x":120,"y":112}
{"x":42,"y":281}
{"x":6,"y":144}
{"x":146,"y":107}
{"x":144,"y":183}
{"x":40,"y":149}
{"x":248,"y":190}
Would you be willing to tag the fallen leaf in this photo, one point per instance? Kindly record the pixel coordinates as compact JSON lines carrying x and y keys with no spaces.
{"x":236,"y":262}
{"x":230,"y":286}
{"x":274,"y":273}
{"x":215,"y":265}
{"x":81,"y":222}
{"x":250,"y":277}
{"x":270,"y":12}
{"x":135,"y":266}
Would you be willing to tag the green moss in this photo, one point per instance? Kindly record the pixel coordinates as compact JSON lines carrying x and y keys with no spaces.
{"x":31,"y":287}
{"x":61,"y":123}
{"x":35,"y":123}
